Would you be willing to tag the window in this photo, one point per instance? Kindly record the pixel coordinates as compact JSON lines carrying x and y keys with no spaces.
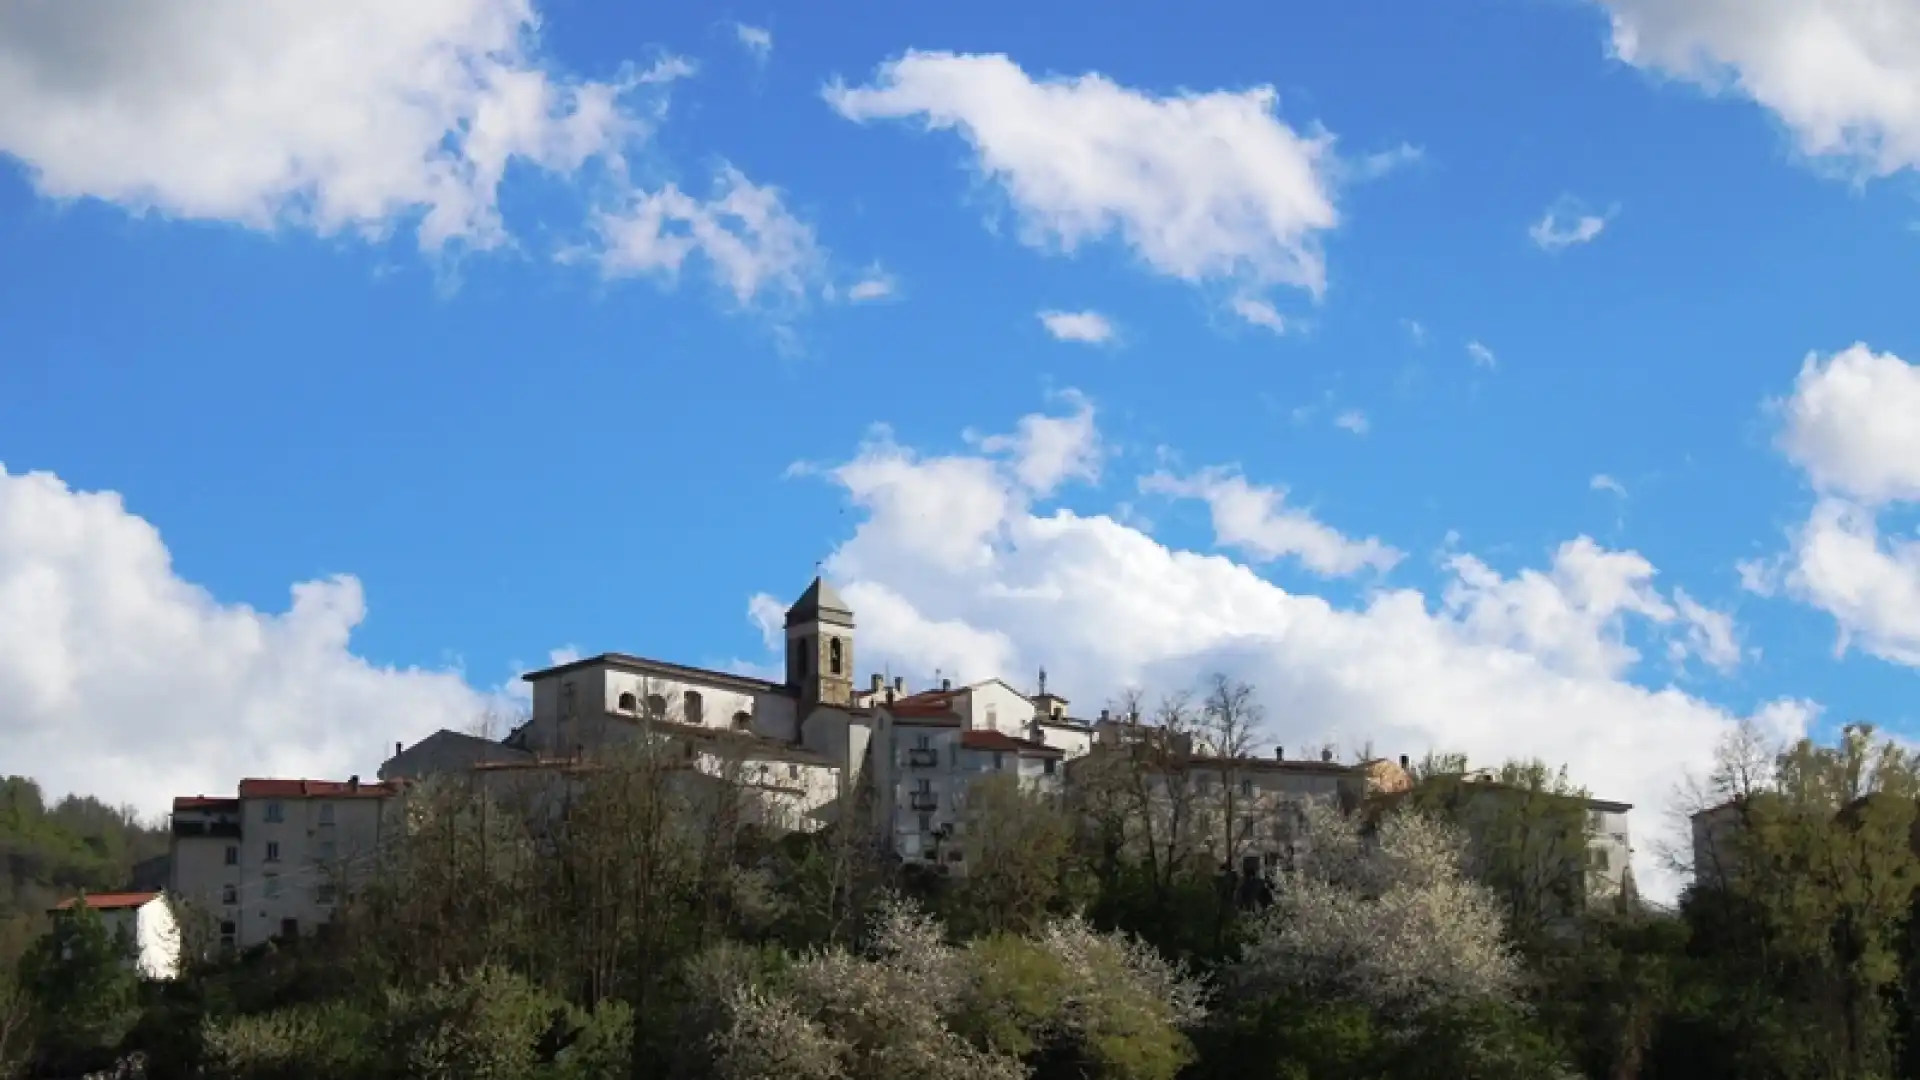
{"x":1246,"y":788}
{"x":233,"y":855}
{"x":793,"y":772}
{"x":1598,"y":856}
{"x":628,"y":702}
{"x":273,"y":851}
{"x":926,"y":823}
{"x":1047,"y":766}
{"x":229,"y":895}
{"x":289,"y":928}
{"x":922,"y":742}
{"x":833,"y":655}
{"x":1250,"y":866}
{"x":993,"y":716}
{"x":693,"y":707}
{"x":227,"y":936}
{"x":656,"y":706}
{"x":324,"y":893}
{"x":326,"y":813}
{"x":271,"y":886}
{"x":742,"y":721}
{"x":997,"y":760}
{"x":1596,"y":821}
{"x":276,"y":813}
{"x":923,"y":787}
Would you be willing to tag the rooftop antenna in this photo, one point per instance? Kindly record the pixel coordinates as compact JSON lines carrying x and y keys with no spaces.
{"x":1043,"y":682}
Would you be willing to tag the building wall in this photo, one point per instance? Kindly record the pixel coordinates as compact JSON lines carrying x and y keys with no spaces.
{"x":156,"y":940}
{"x":1072,"y":741}
{"x":995,"y":706}
{"x":293,"y":868}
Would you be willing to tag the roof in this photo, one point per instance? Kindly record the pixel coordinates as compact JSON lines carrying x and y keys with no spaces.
{"x":640,"y":665}
{"x":111,"y":901}
{"x":1001,"y":741}
{"x":918,"y":711}
{"x":314,"y":789}
{"x":820,"y":602}
{"x":204,"y":802}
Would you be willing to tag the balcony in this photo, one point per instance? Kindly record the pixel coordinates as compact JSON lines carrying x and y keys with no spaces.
{"x":923,"y":759}
{"x":924,"y":801}
{"x":228,"y":829}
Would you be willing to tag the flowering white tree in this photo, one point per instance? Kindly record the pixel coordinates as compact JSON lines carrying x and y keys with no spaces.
{"x":1388,"y":919}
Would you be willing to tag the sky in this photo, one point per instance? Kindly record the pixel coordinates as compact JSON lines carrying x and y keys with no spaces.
{"x":1522,"y":378}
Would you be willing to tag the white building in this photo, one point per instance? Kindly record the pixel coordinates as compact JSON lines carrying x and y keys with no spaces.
{"x":144,"y":921}
{"x":272,"y":861}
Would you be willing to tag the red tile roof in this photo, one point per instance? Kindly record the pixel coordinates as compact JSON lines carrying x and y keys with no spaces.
{"x":922,"y":711}
{"x":109,"y":901}
{"x":204,"y":802}
{"x":997,"y":740}
{"x":313,"y":789}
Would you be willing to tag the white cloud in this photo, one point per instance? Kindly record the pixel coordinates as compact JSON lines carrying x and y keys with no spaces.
{"x":1482,"y":356}
{"x":1089,"y":327}
{"x":1849,"y":425}
{"x":757,"y":40}
{"x":1567,"y":224}
{"x":1842,"y":75}
{"x":876,"y":284}
{"x":1352,"y":420}
{"x":1259,"y":313}
{"x":1374,"y":166}
{"x":352,"y":116}
{"x":124,"y":681}
{"x":750,"y":242}
{"x":1255,"y":520}
{"x":1202,"y":186}
{"x":1532,"y":664}
{"x":1603,"y":482}
{"x":1050,"y":450}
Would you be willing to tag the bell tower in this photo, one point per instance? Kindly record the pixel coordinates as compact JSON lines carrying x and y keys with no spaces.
{"x":820,"y":647}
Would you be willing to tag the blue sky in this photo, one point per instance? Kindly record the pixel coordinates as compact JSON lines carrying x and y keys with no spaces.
{"x":269,"y":293}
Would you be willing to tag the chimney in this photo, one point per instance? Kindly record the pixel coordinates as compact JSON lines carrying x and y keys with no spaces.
{"x":1326,"y":755}
{"x":946,"y":684}
{"x":396,"y":749}
{"x":879,"y":681}
{"x":353,"y":782}
{"x":899,"y":684}
{"x":1279,"y":753}
{"x":1403,"y":762}
{"x":1103,"y":716}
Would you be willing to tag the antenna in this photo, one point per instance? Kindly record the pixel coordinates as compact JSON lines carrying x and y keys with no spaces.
{"x":1043,"y":682}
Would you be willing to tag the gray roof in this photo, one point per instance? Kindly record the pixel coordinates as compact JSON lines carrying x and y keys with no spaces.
{"x":820,"y":602}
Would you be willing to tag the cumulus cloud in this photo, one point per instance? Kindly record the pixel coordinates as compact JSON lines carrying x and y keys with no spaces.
{"x":1046,"y":451}
{"x":1849,"y":426}
{"x":1256,"y":521}
{"x":875,"y":284}
{"x":1201,"y":186}
{"x":352,"y":116}
{"x":121,"y":679}
{"x":743,"y":232}
{"x":1533,"y":663}
{"x":1087,"y":327}
{"x":1842,"y":75}
{"x":1567,"y":223}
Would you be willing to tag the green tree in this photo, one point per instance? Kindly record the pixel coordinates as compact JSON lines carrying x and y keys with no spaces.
{"x":80,"y":986}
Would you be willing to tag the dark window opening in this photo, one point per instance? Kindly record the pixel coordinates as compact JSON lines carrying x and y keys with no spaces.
{"x":656,"y":706}
{"x":693,"y":707}
{"x":289,"y":928}
{"x":742,"y":721}
{"x":629,"y":703}
{"x":833,"y":655}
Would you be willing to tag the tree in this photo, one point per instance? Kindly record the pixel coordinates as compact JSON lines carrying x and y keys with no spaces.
{"x":80,"y":986}
{"x":1021,"y":858}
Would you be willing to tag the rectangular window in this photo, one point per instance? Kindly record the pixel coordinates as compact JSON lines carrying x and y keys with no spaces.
{"x":993,"y":717}
{"x":326,"y":813}
{"x":997,"y":762}
{"x":275,"y":813}
{"x":922,"y":742}
{"x":227,"y":936}
{"x":233,"y":855}
{"x":229,"y":895}
{"x":1246,"y":788}
{"x":923,"y":787}
{"x":1047,"y":766}
{"x":273,"y":851}
{"x":793,"y":772}
{"x":1600,"y":860}
{"x":323,"y":894}
{"x":271,"y":886}
{"x":926,"y":823}
{"x":289,"y":928}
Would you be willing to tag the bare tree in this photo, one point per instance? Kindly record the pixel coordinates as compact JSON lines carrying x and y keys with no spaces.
{"x":1230,"y":723}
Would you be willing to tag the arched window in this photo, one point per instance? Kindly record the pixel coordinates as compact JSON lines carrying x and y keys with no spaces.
{"x":833,"y":655}
{"x":742,"y":721}
{"x":693,"y":709}
{"x":656,"y":707}
{"x":629,"y":703}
